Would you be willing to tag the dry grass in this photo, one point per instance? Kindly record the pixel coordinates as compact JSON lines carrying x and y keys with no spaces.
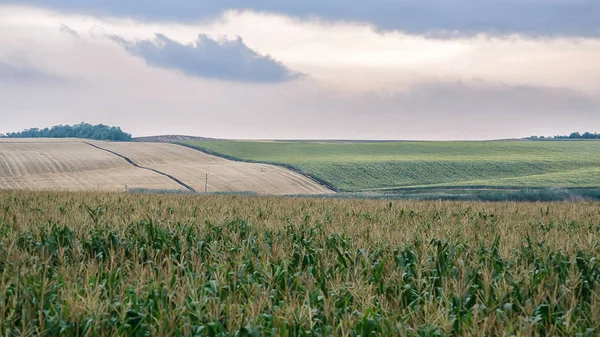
{"x":117,"y":264}
{"x":44,"y":164}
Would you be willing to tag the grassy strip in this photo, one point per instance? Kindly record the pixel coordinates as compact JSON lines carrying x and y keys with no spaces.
{"x":522,"y":195}
{"x":186,"y":192}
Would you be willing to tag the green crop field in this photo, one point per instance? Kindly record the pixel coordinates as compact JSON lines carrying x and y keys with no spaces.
{"x":100,"y":264}
{"x":370,"y":166}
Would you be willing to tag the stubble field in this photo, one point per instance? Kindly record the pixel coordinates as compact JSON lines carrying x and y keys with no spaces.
{"x":83,"y":165}
{"x":85,"y":264}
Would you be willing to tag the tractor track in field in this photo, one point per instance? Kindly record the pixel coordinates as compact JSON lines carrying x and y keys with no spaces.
{"x":188,"y":187}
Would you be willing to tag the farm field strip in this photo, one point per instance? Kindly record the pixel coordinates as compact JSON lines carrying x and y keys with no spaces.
{"x":369,"y":166}
{"x":585,"y":177}
{"x":70,"y":165}
{"x":91,"y":165}
{"x":191,"y":165}
{"x":189,"y":188}
{"x":77,"y":264}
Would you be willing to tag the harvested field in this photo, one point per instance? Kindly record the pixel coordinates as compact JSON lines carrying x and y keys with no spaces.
{"x":72,"y":164}
{"x":224,"y":175}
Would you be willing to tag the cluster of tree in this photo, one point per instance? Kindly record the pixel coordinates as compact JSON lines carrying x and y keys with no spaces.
{"x":82,"y":130}
{"x":574,"y":135}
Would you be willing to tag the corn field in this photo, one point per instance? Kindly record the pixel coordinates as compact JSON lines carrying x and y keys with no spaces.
{"x":100,"y":264}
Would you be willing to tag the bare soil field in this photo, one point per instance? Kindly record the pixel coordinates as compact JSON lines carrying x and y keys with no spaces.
{"x":74,"y":164}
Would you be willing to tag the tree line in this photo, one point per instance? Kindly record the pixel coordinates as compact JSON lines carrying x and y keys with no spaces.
{"x":574,"y":135}
{"x":82,"y":130}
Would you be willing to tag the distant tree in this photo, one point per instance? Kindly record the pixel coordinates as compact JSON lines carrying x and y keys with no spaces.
{"x":574,"y":135}
{"x":588,"y":135}
{"x":81,"y":130}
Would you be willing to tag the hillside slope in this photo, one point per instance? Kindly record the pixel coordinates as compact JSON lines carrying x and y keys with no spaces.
{"x":74,"y":164}
{"x":66,"y":164}
{"x":224,"y":175}
{"x":381,"y":166}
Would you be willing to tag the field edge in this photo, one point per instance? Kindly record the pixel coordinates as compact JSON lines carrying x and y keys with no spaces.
{"x":290,"y":167}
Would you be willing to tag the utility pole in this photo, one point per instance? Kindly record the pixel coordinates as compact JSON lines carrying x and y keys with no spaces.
{"x":206,"y":184}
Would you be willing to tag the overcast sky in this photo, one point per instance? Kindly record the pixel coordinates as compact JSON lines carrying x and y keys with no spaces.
{"x":326,"y":69}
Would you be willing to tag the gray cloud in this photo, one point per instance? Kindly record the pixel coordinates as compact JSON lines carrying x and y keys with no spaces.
{"x":439,"y":17}
{"x":10,"y":74}
{"x":466,"y":99}
{"x":68,"y":30}
{"x":227,"y":60}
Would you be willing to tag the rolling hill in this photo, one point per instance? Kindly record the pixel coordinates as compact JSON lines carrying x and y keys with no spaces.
{"x":388,"y":166}
{"x":75,"y":164}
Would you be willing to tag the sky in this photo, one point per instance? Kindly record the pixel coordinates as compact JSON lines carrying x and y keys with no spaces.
{"x":304,"y":69}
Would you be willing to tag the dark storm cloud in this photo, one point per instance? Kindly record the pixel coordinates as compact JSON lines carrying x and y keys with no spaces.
{"x":439,"y":17}
{"x":10,"y":74}
{"x":226,"y":60}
